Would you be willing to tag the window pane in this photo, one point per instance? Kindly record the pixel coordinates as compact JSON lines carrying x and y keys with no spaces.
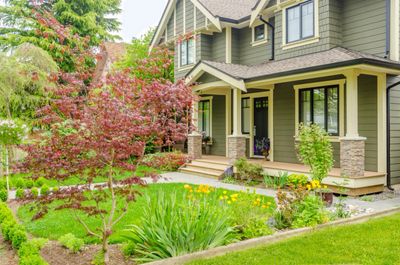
{"x":307,"y":13}
{"x":246,"y":115}
{"x":259,"y":33}
{"x":319,"y":107}
{"x":333,"y":111}
{"x":305,"y":106}
{"x":204,"y":117}
{"x":184,"y":53}
{"x":191,"y":51}
{"x":293,"y":24}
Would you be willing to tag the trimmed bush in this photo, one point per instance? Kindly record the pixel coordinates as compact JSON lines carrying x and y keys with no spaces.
{"x":18,"y":236}
{"x":71,"y":242}
{"x":40,"y":182}
{"x":248,"y":171}
{"x":35,"y":192}
{"x":44,"y":190}
{"x":19,"y":183}
{"x":32,"y":260}
{"x":3,"y":184}
{"x":6,"y":227}
{"x":3,"y":195}
{"x":20,"y":193}
{"x":29,"y":184}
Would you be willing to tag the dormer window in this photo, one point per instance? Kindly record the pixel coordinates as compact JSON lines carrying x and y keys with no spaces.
{"x":300,"y":22}
{"x":187,"y":52}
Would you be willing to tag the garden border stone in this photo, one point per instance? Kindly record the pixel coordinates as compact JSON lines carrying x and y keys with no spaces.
{"x":266,"y":240}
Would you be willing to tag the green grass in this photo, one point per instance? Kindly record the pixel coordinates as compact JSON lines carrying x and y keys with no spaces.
{"x":374,"y":242}
{"x":58,"y":223}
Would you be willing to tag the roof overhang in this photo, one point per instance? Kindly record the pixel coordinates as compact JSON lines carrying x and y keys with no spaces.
{"x":214,"y":20}
{"x":262,"y":4}
{"x":202,"y":68}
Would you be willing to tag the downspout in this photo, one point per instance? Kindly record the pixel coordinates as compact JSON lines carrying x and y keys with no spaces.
{"x":273,"y":37}
{"x":388,"y":135}
{"x":388,"y":16}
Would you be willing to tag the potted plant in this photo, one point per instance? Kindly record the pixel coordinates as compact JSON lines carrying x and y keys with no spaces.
{"x":315,"y":150}
{"x":263,"y":146}
{"x":206,"y":142}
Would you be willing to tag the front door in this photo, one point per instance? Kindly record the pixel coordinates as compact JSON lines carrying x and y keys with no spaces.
{"x":261,"y":141}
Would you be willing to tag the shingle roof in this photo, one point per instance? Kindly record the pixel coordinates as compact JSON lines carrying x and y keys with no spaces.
{"x":230,"y":9}
{"x":330,"y":58}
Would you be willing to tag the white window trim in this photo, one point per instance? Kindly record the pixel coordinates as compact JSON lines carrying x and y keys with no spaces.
{"x":187,"y":66}
{"x":211,"y":113}
{"x":299,"y":43}
{"x":253,"y":35}
{"x":338,"y":82}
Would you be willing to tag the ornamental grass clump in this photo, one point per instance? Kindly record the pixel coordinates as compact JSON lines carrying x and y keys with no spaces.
{"x":172,"y":227}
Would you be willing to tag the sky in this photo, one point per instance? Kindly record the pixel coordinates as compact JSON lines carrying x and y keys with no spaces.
{"x":138,"y":16}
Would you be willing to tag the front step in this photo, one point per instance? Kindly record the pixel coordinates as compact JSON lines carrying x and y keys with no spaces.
{"x":205,"y":168}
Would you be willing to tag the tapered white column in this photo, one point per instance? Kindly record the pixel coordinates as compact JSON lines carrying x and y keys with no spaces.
{"x":237,"y":141}
{"x":352,"y":104}
{"x":237,"y":115}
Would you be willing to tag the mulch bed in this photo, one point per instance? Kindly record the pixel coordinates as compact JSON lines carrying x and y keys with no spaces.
{"x":7,"y":254}
{"x":55,"y":254}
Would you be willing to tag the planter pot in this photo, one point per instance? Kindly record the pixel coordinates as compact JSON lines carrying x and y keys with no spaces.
{"x":207,"y":149}
{"x":327,"y":198}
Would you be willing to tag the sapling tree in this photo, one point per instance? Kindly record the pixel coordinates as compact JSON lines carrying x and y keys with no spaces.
{"x":99,"y":135}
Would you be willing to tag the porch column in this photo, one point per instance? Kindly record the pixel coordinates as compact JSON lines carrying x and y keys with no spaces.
{"x":237,"y":142}
{"x":352,"y":146}
{"x":195,"y":138}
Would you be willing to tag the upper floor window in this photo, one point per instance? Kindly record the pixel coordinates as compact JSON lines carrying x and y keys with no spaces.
{"x":259,"y":33}
{"x":321,"y":106}
{"x":300,"y":21}
{"x":187,"y":52}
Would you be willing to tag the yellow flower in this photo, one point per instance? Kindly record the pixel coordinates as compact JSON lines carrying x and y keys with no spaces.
{"x":269,"y":203}
{"x":265,"y":206}
{"x":325,"y":187}
{"x":229,"y":202}
{"x":221,"y":197}
{"x":187,"y":187}
{"x":225,"y":192}
{"x":308,"y":187}
{"x":258,"y":199}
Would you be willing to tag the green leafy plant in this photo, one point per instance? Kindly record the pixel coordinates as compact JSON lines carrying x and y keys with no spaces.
{"x":310,"y":212}
{"x":18,"y":236}
{"x":29,"y":252}
{"x":230,"y":180}
{"x":44,"y":190}
{"x":71,"y":242}
{"x":19,"y":193}
{"x":248,"y":171}
{"x":19,"y":183}
{"x":40,"y":182}
{"x":315,"y":150}
{"x":278,"y":182}
{"x":3,"y":195}
{"x":298,"y":180}
{"x":172,"y":228}
{"x":35,"y":192}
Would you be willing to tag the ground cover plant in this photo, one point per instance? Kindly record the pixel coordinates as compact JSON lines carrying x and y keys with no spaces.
{"x":349,"y":244}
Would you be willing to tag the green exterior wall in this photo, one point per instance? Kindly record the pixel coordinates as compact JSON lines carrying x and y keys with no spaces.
{"x":368,"y":119}
{"x":395,"y":130}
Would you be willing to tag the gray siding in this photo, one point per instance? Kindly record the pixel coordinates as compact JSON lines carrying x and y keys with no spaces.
{"x":200,"y":18}
{"x":170,"y":28}
{"x":368,"y":119}
{"x":189,"y":16}
{"x":395,"y":130}
{"x":218,"y":47}
{"x":218,"y":126}
{"x":179,"y":17}
{"x":364,"y":26}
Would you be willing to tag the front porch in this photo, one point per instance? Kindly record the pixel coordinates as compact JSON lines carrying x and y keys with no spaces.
{"x":214,"y":167}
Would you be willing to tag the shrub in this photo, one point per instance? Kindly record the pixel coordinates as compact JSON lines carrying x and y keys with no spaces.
{"x":44,"y":190}
{"x":34,"y":192}
{"x":29,"y":183}
{"x":29,"y":252}
{"x":20,"y":193}
{"x":71,"y":242}
{"x":276,"y":182}
{"x":40,"y":182}
{"x":315,"y":150}
{"x":171,"y":228}
{"x":3,"y":184}
{"x":298,"y":180}
{"x":32,"y":260}
{"x":5,"y":213}
{"x":19,"y":183}
{"x":310,"y":212}
{"x":3,"y":195}
{"x":248,"y":171}
{"x":165,"y":161}
{"x":18,"y":236}
{"x":6,"y":227}
{"x":55,"y":189}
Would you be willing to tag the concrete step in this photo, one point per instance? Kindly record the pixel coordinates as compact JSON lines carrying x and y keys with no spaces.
{"x":201,"y":164}
{"x":209,"y":161}
{"x":205,"y":169}
{"x":200,"y":172}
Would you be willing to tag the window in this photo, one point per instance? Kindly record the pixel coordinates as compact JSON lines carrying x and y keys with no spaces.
{"x":187,"y":52}
{"x":246,"y":115}
{"x":205,"y":117}
{"x":321,"y":106}
{"x":259,"y":33}
{"x":300,"y":22}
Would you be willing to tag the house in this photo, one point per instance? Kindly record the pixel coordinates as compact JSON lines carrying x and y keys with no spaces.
{"x":110,"y":52}
{"x":262,"y":67}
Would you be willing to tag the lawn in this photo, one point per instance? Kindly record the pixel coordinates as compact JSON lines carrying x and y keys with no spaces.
{"x":374,"y":242}
{"x":58,"y":223}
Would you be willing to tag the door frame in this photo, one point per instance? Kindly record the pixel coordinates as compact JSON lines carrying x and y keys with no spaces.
{"x":252,"y":96}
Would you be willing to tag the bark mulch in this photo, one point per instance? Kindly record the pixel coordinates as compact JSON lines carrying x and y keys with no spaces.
{"x":7,"y":254}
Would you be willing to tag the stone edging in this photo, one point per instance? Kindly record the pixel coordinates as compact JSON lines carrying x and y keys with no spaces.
{"x":256,"y":242}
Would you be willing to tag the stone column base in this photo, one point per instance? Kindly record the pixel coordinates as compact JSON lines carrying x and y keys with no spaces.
{"x":236,"y":147}
{"x":194,"y":146}
{"x":352,"y":156}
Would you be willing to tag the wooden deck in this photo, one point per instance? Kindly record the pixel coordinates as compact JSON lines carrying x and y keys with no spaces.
{"x":371,"y":182}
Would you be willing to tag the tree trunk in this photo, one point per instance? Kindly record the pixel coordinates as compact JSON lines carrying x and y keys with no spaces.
{"x":105,"y":248}
{"x":7,"y":172}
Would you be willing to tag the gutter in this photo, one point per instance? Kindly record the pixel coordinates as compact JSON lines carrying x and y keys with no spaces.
{"x":273,"y":36}
{"x":388,"y":137}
